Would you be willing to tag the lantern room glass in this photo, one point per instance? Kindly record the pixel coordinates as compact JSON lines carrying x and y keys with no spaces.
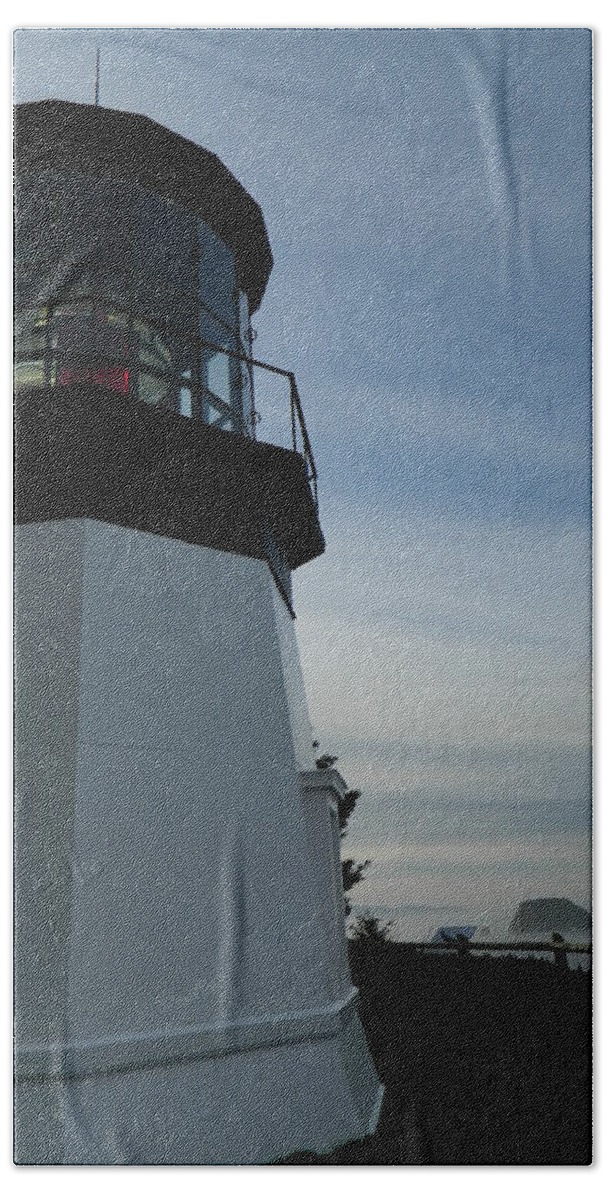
{"x":120,"y":287}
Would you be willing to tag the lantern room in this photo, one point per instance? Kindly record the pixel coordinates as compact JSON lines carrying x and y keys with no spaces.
{"x":139,"y":260}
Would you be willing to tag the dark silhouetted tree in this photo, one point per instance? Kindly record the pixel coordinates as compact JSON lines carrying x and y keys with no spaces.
{"x":369,"y":929}
{"x":352,"y":872}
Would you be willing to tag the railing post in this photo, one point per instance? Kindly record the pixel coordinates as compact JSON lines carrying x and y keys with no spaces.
{"x":292,"y":407}
{"x":253,"y":415}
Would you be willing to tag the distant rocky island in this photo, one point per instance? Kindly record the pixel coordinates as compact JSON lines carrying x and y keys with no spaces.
{"x":537,"y":916}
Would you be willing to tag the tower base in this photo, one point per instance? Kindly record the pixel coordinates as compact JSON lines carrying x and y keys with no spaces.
{"x":257,"y":1106}
{"x":182,"y":984}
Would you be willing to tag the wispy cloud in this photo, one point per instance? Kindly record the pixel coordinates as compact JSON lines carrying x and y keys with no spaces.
{"x":480,"y":873}
{"x":444,"y":575}
{"x":365,"y":678}
{"x":476,"y":852}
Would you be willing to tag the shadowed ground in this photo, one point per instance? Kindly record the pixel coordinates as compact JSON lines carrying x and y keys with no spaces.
{"x":483,"y":1060}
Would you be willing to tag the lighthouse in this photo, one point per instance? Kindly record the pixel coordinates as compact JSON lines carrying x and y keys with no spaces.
{"x":181,"y":976}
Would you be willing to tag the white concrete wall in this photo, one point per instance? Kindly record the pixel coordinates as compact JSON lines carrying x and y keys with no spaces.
{"x":167,"y":693}
{"x":189,"y":841}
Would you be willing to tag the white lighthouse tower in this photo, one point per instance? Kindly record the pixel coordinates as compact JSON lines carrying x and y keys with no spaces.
{"x":182,"y":984}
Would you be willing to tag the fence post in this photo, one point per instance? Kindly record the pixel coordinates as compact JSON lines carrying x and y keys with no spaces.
{"x":560,"y":954}
{"x":463,"y":945}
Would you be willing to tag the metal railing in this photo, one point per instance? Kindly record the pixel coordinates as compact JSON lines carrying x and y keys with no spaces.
{"x":101,"y":360}
{"x":300,"y":441}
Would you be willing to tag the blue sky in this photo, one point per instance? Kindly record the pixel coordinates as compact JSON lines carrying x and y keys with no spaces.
{"x":427,"y":200}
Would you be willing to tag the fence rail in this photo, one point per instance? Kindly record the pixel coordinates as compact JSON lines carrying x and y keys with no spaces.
{"x":464,"y":947}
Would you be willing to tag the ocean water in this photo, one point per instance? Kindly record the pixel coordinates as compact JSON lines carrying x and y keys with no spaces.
{"x":418,"y":923}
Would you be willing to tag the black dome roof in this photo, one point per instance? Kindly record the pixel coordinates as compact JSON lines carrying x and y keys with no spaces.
{"x":103,"y":141}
